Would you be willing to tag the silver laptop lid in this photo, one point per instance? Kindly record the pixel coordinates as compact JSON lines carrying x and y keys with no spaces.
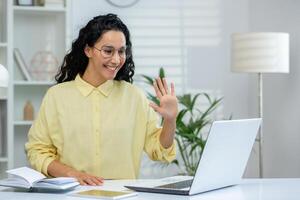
{"x":225,"y":155}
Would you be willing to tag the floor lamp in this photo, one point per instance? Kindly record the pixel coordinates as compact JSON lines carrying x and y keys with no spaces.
{"x":260,"y":52}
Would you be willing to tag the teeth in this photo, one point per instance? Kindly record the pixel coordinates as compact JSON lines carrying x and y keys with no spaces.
{"x":112,"y":68}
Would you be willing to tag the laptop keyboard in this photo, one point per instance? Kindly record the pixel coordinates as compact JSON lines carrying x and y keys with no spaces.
{"x":177,"y":185}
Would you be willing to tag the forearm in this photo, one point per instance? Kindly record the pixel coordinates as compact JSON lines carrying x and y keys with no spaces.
{"x":168,"y":133}
{"x":57,"y":169}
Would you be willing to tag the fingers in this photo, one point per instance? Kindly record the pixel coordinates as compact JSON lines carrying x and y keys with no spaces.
{"x":165,"y":85}
{"x":172,"y":89}
{"x":81,"y":182}
{"x":100,"y":179}
{"x":97,"y":180}
{"x":90,"y":180}
{"x":154,"y":106}
{"x":161,"y":86}
{"x":157,"y":91}
{"x":85,"y":179}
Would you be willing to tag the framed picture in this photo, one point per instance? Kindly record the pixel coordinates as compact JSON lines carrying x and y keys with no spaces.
{"x":25,"y":2}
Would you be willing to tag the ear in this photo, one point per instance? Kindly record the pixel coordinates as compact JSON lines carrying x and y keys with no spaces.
{"x":88,"y":51}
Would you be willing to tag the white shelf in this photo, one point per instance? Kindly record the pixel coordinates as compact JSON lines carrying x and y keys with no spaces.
{"x":2,"y":44}
{"x":34,"y":83}
{"x":22,"y":123}
{"x":35,"y":22}
{"x":37,"y":9}
{"x":3,"y":98}
{"x":3,"y":159}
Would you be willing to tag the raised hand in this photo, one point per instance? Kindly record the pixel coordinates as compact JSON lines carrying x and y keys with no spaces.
{"x":168,"y":107}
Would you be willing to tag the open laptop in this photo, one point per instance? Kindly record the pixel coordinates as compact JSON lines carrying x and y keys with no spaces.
{"x":222,"y":163}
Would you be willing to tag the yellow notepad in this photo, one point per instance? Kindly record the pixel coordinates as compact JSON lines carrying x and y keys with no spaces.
{"x":105,"y":194}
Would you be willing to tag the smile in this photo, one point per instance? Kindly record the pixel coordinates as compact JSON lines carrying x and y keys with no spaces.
{"x":111,"y":68}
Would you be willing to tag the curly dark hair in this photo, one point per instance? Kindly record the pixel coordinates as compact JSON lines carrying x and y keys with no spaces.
{"x":76,"y":61}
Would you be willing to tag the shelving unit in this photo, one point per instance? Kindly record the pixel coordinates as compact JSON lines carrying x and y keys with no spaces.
{"x":32,"y":29}
{"x":43,"y":10}
{"x":4,"y":54}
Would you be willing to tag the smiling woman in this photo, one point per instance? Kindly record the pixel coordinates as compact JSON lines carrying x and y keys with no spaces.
{"x":94,"y":123}
{"x":104,"y":62}
{"x":101,"y":32}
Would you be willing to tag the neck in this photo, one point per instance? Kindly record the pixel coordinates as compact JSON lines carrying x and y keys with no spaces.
{"x":93,"y":78}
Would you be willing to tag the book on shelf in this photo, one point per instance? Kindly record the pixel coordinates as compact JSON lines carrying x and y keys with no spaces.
{"x":22,"y":64}
{"x":32,"y":180}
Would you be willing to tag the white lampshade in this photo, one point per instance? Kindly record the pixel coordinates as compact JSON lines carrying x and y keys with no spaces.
{"x":260,"y":52}
{"x":3,"y":76}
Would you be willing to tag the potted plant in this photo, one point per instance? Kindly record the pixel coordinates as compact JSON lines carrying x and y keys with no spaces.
{"x":191,"y":125}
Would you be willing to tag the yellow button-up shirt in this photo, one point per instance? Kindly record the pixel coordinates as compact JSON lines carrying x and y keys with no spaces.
{"x":98,"y":130}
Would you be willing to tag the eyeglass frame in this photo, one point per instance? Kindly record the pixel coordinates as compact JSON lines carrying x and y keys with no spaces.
{"x":114,"y":51}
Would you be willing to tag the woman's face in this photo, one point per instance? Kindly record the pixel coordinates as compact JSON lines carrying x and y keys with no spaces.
{"x":107,"y":56}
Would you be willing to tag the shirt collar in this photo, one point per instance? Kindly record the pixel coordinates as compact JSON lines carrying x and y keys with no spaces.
{"x":85,"y":88}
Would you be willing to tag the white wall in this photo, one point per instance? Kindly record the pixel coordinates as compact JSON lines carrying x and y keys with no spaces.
{"x":281,"y":91}
{"x":209,"y":68}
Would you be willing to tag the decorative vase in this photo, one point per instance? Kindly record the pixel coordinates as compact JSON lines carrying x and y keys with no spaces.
{"x":28,"y":111}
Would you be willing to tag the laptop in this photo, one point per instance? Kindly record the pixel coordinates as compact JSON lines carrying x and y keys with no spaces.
{"x":222,"y":163}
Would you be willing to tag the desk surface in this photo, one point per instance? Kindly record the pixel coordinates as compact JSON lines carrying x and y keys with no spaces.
{"x":249,"y":189}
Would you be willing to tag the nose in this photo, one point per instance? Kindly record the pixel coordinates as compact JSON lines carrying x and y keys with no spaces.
{"x":115,"y":59}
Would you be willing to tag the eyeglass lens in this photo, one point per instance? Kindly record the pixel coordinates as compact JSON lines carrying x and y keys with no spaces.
{"x":108,"y":51}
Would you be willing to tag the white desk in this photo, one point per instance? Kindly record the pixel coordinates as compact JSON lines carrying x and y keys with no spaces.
{"x":250,"y":189}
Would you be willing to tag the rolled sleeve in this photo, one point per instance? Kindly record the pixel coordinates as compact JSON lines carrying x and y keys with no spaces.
{"x":168,"y":153}
{"x":153,"y":147}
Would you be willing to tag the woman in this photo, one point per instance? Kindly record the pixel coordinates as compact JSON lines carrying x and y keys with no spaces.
{"x":94,"y":124}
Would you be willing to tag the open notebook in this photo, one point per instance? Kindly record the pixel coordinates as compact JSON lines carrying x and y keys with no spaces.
{"x":32,"y":180}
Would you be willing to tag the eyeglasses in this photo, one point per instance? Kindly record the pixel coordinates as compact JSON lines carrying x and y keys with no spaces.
{"x":108,"y":51}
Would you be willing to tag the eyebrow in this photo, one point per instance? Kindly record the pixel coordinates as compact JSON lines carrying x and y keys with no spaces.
{"x":110,"y":46}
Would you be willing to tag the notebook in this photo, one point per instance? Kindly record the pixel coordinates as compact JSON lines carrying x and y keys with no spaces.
{"x":33,"y":180}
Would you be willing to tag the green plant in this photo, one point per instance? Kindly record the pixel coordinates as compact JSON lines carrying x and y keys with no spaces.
{"x":191,"y":125}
